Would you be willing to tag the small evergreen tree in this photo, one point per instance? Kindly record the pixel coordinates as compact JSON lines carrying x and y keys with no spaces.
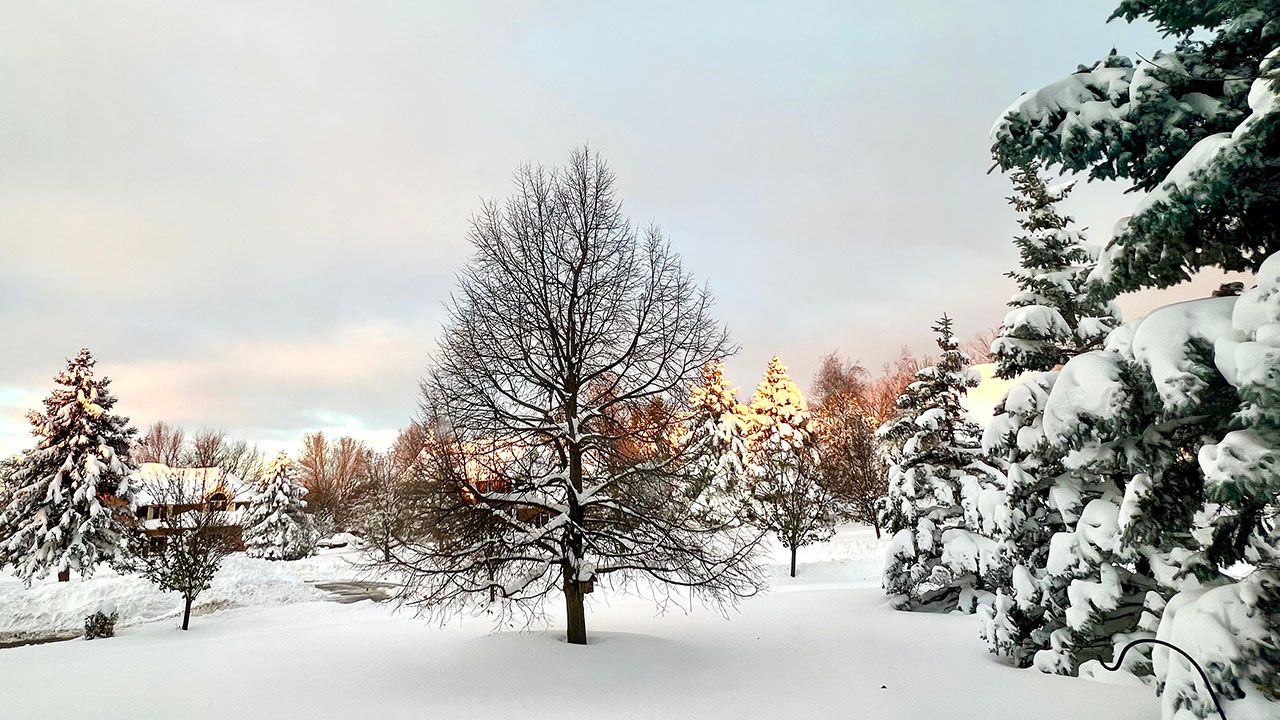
{"x":66,"y":493}
{"x":786,"y":495}
{"x":936,"y":558}
{"x":277,"y":526}
{"x":1053,"y":317}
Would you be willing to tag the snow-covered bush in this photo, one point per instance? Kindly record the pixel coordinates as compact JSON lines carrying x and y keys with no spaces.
{"x":101,"y":624}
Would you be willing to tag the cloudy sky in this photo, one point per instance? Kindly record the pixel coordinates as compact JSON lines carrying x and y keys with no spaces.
{"x":251,"y":212}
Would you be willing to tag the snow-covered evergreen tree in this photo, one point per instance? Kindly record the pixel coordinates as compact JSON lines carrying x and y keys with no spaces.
{"x":785,"y":494}
{"x":277,"y":526}
{"x":67,"y":493}
{"x":937,"y":484}
{"x":1053,"y":317}
{"x":718,"y":426}
{"x":1169,"y":426}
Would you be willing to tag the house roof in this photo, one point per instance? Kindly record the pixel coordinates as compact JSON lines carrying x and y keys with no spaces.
{"x":160,"y":484}
{"x":217,"y":519}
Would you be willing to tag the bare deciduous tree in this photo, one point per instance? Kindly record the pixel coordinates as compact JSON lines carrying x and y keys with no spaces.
{"x":388,"y":512}
{"x":161,"y":443}
{"x":333,"y":474}
{"x":185,"y":545}
{"x":978,"y":347}
{"x":170,"y":445}
{"x":567,"y":319}
{"x":851,"y":465}
{"x":212,"y":448}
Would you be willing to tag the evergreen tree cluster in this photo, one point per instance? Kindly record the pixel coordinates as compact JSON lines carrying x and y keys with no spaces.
{"x":759,"y":463}
{"x":67,"y":504}
{"x":1142,"y":472}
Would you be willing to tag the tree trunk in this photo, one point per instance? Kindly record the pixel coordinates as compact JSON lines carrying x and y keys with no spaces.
{"x":793,"y":561}
{"x":575,"y":614}
{"x":64,"y":575}
{"x":574,"y":611}
{"x":875,"y":523}
{"x":186,"y":612}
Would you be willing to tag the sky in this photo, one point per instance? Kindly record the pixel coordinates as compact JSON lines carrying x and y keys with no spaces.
{"x":253,"y":212}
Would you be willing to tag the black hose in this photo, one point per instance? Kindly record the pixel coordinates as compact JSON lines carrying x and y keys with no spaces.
{"x":1203,"y":675}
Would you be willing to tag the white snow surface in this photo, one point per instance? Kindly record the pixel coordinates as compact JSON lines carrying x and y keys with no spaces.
{"x":1161,"y":343}
{"x":50,"y":609}
{"x":1088,"y":387}
{"x":824,"y":644}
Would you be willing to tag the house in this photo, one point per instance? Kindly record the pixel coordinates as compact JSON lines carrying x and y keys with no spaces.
{"x":173,"y":500}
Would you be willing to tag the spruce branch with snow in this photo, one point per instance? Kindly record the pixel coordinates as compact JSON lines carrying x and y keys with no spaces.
{"x":67,"y":494}
{"x":1197,"y":126}
{"x":277,"y":525}
{"x":570,"y":327}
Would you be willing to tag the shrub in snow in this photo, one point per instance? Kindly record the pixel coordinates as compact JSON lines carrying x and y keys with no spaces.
{"x":277,"y":526}
{"x":938,"y":557}
{"x":194,"y":538}
{"x":785,"y":494}
{"x":101,"y":624}
{"x":386,"y":509}
{"x":67,"y":494}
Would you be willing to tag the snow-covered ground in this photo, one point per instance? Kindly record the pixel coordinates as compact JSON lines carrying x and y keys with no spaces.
{"x":821,"y":645}
{"x":50,"y":609}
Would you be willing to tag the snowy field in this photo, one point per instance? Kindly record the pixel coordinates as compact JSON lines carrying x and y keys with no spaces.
{"x":822,"y":645}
